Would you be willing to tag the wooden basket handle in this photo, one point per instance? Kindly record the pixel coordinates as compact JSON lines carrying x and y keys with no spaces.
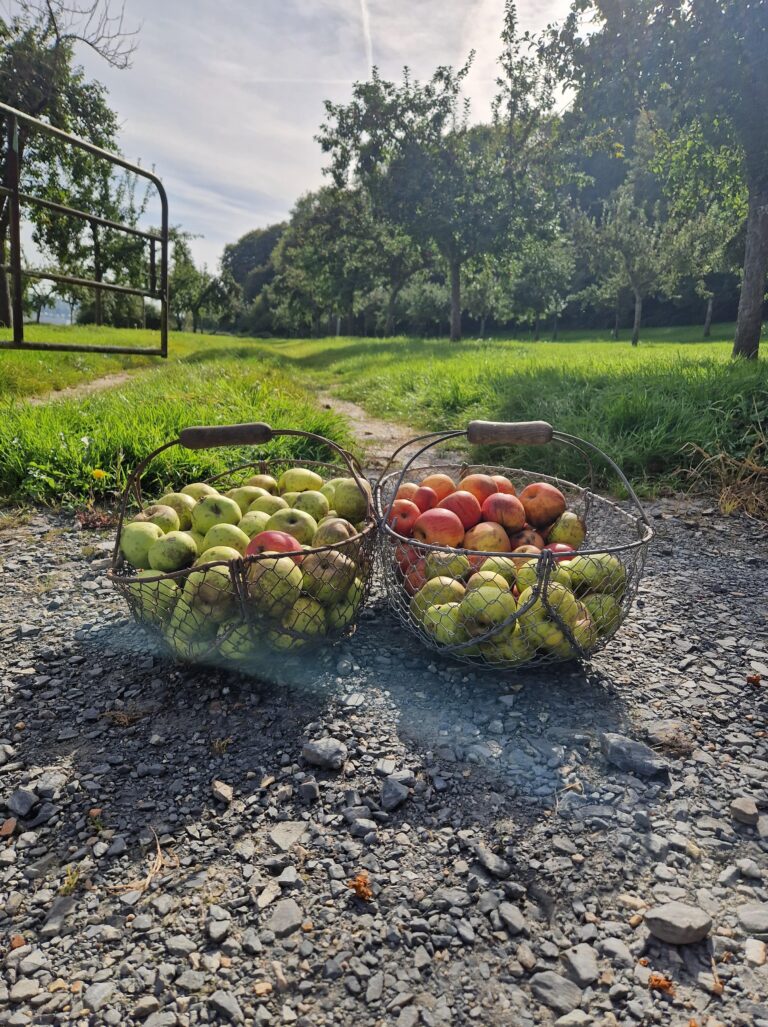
{"x":509,"y":433}
{"x":210,"y":436}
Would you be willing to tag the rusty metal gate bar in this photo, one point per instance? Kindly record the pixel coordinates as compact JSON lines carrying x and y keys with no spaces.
{"x":12,"y":194}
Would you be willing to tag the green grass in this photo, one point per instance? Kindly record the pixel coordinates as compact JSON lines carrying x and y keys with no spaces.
{"x":48,"y":453}
{"x":646,"y":406}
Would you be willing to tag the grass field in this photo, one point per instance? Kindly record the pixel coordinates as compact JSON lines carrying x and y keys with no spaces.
{"x":647,"y":407}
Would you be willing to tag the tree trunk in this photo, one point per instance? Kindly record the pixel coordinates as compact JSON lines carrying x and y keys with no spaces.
{"x":455,"y":301}
{"x":389,"y":323}
{"x":195,"y":321}
{"x":5,"y":283}
{"x":638,"y":318}
{"x":555,"y":325}
{"x":536,"y":328}
{"x":482,"y":326}
{"x":708,"y":317}
{"x":615,"y":329}
{"x":751,"y":301}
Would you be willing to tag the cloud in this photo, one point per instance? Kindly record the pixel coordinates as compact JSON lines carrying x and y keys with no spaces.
{"x":225,"y":99}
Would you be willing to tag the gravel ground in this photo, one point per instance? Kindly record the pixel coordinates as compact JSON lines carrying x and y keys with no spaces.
{"x":174,"y":850}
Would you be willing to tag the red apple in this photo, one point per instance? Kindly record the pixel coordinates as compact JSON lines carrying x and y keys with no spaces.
{"x":441,"y":483}
{"x":488,"y":537}
{"x":405,"y":555}
{"x":561,"y":551}
{"x":439,"y":528}
{"x":275,"y":542}
{"x":425,"y":498}
{"x":406,"y":490}
{"x":527,"y":536}
{"x":480,"y":485}
{"x":505,"y":510}
{"x":543,"y":503}
{"x":465,"y":506}
{"x":402,"y":517}
{"x":504,"y":485}
{"x":523,"y":554}
{"x":415,"y":577}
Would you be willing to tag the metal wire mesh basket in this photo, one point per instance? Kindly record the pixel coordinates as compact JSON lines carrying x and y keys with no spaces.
{"x":495,"y":604}
{"x":242,"y":608}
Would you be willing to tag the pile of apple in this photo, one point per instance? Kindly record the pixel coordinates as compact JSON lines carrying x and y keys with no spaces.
{"x":294,"y":594}
{"x":456,"y":595}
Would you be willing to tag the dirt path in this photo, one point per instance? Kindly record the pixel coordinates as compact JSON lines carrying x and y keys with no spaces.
{"x":109,"y":381}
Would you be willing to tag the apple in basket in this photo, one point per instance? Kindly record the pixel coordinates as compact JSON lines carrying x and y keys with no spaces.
{"x":425,"y":498}
{"x":505,"y":510}
{"x":439,"y":528}
{"x":487,"y":537}
{"x":543,"y":504}
{"x":441,"y":483}
{"x":568,"y":529}
{"x":275,"y":542}
{"x":465,"y":506}
{"x":402,"y":516}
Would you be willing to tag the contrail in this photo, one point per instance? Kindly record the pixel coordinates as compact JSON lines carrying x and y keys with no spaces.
{"x":366,"y":20}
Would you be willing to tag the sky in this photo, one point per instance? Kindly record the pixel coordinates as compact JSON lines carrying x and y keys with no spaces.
{"x":224,"y":98}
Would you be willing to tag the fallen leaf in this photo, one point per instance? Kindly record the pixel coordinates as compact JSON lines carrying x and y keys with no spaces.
{"x":753,"y":679}
{"x":17,"y":941}
{"x":8,"y":827}
{"x":659,"y":982}
{"x":360,"y":886}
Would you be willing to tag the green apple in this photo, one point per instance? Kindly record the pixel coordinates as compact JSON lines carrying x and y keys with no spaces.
{"x":189,"y":632}
{"x":299,"y":479}
{"x":236,"y":641}
{"x":568,"y":529}
{"x":313,"y":502}
{"x":165,"y":517}
{"x":585,"y":634}
{"x":153,"y":600}
{"x":218,"y":554}
{"x":267,"y":504}
{"x":604,"y":611}
{"x":480,"y":578}
{"x":305,"y":620}
{"x":274,"y":584}
{"x":449,"y":565}
{"x":561,"y":601}
{"x":198,"y":539}
{"x":298,"y":523}
{"x":290,"y":497}
{"x":501,"y":565}
{"x":264,"y":481}
{"x":244,"y":495}
{"x":332,"y":530}
{"x":508,"y":647}
{"x":226,"y":535}
{"x":485,"y":608}
{"x":212,"y":592}
{"x":329,"y":490}
{"x":600,"y":572}
{"x":172,"y":552}
{"x":349,"y":502}
{"x":182,"y":504}
{"x":136,"y":539}
{"x":212,"y":510}
{"x":254,"y":522}
{"x":442,"y":622}
{"x":435,"y":592}
{"x":327,"y":575}
{"x":342,"y":614}
{"x":528,"y":574}
{"x":198,"y":489}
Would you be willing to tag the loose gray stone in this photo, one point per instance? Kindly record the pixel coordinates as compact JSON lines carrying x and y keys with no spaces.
{"x":22,"y":802}
{"x":98,"y":995}
{"x":308,"y":790}
{"x":118,"y":846}
{"x":24,"y":989}
{"x":578,"y":1018}
{"x":678,"y":923}
{"x":226,"y":1004}
{"x":669,"y":733}
{"x":166,"y":1018}
{"x":629,"y":754}
{"x":744,"y":810}
{"x":393,"y":794}
{"x":180,"y":945}
{"x":555,"y":991}
{"x":512,"y":918}
{"x":58,"y":913}
{"x":754,"y":918}
{"x":494,"y":864}
{"x":327,"y":753}
{"x":286,"y":834}
{"x":581,"y":964}
{"x":223,"y":793}
{"x":146,"y":1005}
{"x":286,"y":918}
{"x":191,"y":980}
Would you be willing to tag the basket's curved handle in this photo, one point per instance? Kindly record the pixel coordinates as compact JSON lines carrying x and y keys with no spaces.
{"x":208,"y":436}
{"x":509,"y":433}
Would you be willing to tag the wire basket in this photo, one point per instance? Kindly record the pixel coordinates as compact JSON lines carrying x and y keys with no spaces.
{"x":247,"y":611}
{"x":505,"y":607}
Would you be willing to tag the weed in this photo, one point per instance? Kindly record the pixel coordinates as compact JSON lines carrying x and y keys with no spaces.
{"x":71,"y":880}
{"x":220,"y":745}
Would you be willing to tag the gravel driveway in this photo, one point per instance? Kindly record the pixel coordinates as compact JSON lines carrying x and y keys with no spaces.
{"x":174,"y":852}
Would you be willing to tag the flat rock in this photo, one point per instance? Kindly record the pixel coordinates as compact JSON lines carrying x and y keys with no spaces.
{"x":555,"y":991}
{"x":222,"y":792}
{"x":494,"y":864}
{"x":60,"y":910}
{"x":21,"y":802}
{"x":393,"y":794}
{"x":753,"y":917}
{"x":224,"y":1002}
{"x":326,"y":753}
{"x":669,"y":733}
{"x":744,"y":810}
{"x":285,"y":835}
{"x":286,"y":918}
{"x":98,"y":995}
{"x":511,"y":917}
{"x":629,"y":754}
{"x":678,"y":923}
{"x":580,"y":964}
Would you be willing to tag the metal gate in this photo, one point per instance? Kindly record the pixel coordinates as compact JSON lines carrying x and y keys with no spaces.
{"x":10,"y":193}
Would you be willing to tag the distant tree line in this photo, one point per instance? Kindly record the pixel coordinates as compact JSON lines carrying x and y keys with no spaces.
{"x":644,"y":200}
